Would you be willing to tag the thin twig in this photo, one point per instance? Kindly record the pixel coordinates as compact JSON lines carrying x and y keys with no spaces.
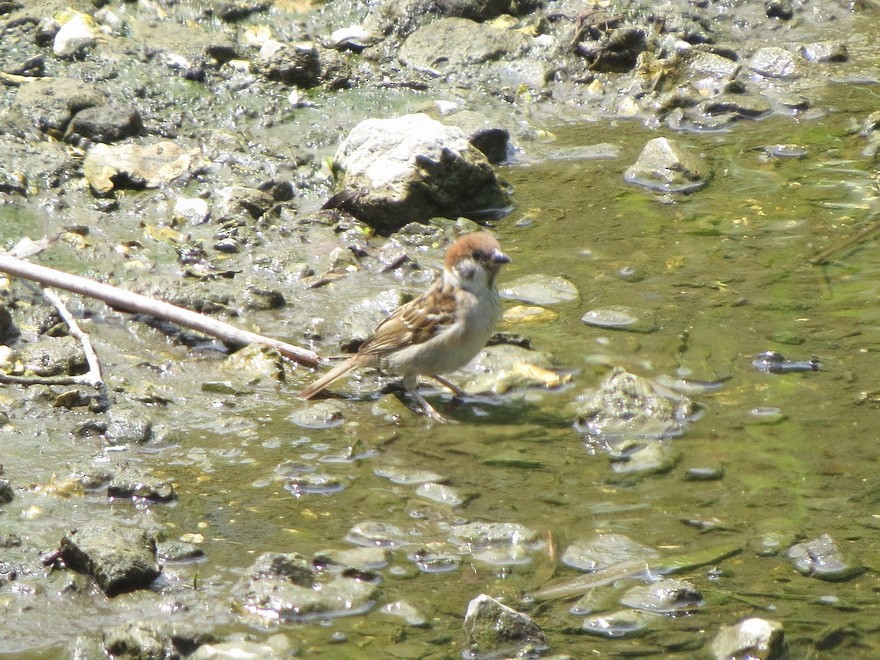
{"x":128,"y":301}
{"x":6,"y":379}
{"x":93,"y":376}
{"x":825,"y":255}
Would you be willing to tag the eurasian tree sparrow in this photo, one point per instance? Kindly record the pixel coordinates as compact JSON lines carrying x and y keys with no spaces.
{"x":441,"y":330}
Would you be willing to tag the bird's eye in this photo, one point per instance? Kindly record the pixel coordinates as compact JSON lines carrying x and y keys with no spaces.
{"x":478,"y":255}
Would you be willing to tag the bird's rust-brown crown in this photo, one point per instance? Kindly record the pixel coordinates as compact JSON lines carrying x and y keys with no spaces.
{"x":480,"y":246}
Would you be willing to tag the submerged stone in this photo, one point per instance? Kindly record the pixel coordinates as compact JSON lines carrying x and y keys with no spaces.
{"x":664,"y":596}
{"x":314,"y":484}
{"x":825,"y":51}
{"x":408,"y":477}
{"x":503,"y":367}
{"x":361,"y":559}
{"x":629,"y":406}
{"x":152,"y":639}
{"x":489,"y":533}
{"x":652,"y":457}
{"x":665,"y":166}
{"x":318,"y":415}
{"x":821,"y":558}
{"x":622,"y":623}
{"x":539,"y":289}
{"x":405,"y":611}
{"x":377,"y":534}
{"x":761,"y":639}
{"x":440,"y":494}
{"x":285,"y":587}
{"x":605,"y":550}
{"x":497,"y":630}
{"x":619,"y":317}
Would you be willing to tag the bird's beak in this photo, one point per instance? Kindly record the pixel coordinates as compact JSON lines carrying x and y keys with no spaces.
{"x":498,"y":257}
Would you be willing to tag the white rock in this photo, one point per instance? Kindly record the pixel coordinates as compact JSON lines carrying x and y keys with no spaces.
{"x":191,"y":209}
{"x":75,"y":36}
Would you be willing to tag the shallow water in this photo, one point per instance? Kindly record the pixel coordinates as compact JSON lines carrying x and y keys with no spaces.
{"x":726,"y":273}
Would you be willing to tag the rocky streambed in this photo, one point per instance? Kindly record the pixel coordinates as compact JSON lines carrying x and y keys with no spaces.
{"x":667,"y":447}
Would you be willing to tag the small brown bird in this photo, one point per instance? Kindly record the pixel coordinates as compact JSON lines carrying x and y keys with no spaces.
{"x":441,"y":330}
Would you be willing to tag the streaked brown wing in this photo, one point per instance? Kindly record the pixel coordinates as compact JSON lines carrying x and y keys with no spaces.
{"x":415,"y":322}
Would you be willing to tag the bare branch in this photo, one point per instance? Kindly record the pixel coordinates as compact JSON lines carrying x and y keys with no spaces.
{"x":136,"y":303}
{"x":93,"y":377}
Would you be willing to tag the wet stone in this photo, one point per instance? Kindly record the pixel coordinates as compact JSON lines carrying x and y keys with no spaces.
{"x":622,"y":623}
{"x":119,"y":558}
{"x":76,"y":37}
{"x":284,"y":587}
{"x":106,"y":123}
{"x":738,"y":105}
{"x":786,"y":151}
{"x":318,"y":415}
{"x":619,"y":317}
{"x":664,"y":166}
{"x":491,"y":533}
{"x":440,"y":494}
{"x":626,"y":405}
{"x":448,"y":44}
{"x":314,"y":484}
{"x":605,"y":550}
{"x":7,"y":494}
{"x":491,"y":139}
{"x":774,"y":62}
{"x":665,"y":596}
{"x":825,"y":51}
{"x":406,"y":477}
{"x":413,"y":168}
{"x":237,"y":201}
{"x":377,"y":534}
{"x":253,"y":363}
{"x":493,"y":629}
{"x":704,"y":474}
{"x":141,"y":486}
{"x":193,"y":210}
{"x":135,"y":166}
{"x":653,"y":457}
{"x":403,"y":610}
{"x":276,"y":647}
{"x":296,"y":64}
{"x":431,"y":561}
{"x":178,"y":552}
{"x":761,"y":639}
{"x":361,"y":559}
{"x":538,"y":289}
{"x":503,"y":367}
{"x":49,"y":105}
{"x":53,"y":357}
{"x":128,"y":429}
{"x":139,"y":640}
{"x":708,"y":72}
{"x":821,"y":558}
{"x":772,"y":362}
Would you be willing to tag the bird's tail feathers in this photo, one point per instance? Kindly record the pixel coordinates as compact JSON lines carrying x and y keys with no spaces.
{"x":325,"y":380}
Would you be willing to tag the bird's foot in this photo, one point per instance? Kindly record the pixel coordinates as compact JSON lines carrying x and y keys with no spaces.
{"x":452,"y":387}
{"x":427,"y":409}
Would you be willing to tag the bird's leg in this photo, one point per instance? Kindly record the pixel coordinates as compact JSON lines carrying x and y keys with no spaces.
{"x":452,"y":387}
{"x":410,"y":384}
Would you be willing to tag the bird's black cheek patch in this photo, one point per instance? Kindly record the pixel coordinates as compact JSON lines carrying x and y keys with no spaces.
{"x":467,"y":270}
